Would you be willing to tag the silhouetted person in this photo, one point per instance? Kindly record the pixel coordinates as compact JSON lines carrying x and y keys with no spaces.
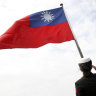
{"x":86,"y":86}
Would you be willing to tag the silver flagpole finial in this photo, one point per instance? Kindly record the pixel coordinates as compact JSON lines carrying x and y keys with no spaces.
{"x":61,"y":4}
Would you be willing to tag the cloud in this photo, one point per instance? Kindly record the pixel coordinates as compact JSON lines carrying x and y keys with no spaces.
{"x":53,"y":68}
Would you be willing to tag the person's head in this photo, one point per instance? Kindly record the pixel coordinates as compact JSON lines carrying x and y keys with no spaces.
{"x":85,"y":65}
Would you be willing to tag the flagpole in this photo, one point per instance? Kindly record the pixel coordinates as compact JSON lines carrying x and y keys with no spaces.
{"x":76,"y":42}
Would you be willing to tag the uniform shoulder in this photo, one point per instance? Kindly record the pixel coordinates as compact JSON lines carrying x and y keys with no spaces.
{"x":79,"y":81}
{"x":84,"y":80}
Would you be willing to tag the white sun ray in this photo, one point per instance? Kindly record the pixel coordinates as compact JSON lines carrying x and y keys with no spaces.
{"x":47,"y":16}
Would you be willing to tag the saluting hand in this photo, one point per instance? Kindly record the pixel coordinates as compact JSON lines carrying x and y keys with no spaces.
{"x":94,"y":67}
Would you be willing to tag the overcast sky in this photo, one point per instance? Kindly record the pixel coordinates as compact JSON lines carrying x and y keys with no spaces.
{"x":52,"y":69}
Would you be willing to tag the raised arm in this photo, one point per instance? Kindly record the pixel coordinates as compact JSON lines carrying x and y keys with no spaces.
{"x":94,"y":67}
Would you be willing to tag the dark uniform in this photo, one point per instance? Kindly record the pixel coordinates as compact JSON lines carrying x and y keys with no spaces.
{"x":86,"y":86}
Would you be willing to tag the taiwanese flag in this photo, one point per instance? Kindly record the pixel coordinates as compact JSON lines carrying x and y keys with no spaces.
{"x":37,"y":29}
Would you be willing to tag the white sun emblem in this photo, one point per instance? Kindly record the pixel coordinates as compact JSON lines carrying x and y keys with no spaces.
{"x":47,"y":16}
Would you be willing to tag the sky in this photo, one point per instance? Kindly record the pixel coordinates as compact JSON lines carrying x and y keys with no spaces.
{"x":52,"y":69}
